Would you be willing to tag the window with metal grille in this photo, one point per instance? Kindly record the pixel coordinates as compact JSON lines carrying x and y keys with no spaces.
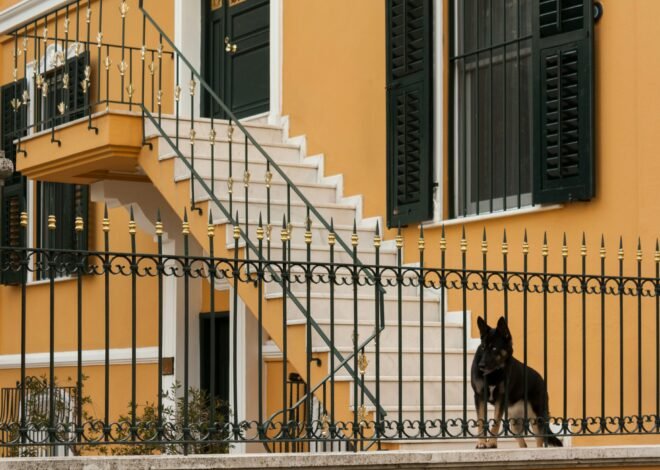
{"x":521,"y":104}
{"x":491,"y":60}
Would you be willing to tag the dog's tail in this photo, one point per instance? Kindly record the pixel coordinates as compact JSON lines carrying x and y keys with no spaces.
{"x":551,"y":440}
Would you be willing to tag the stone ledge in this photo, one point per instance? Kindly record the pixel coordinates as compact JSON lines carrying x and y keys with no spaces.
{"x":567,"y":458}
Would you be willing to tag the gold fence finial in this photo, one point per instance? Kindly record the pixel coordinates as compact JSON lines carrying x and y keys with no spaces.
{"x":484,"y":242}
{"x":505,"y":244}
{"x":657,"y":251}
{"x":284,"y":233}
{"x":260,"y":229}
{"x":237,"y":228}
{"x":421,"y":244}
{"x":620,"y":254}
{"x":639,"y":249}
{"x":24,"y":219}
{"x":564,"y":247}
{"x":525,"y":245}
{"x":544,"y":248}
{"x":443,"y":239}
{"x":210,"y":227}
{"x":331,"y":234}
{"x":52,"y":222}
{"x":602,"y":246}
{"x":354,"y":235}
{"x":583,"y":246}
{"x":377,"y":239}
{"x":399,"y":238}
{"x":106,"y":219}
{"x":131,"y":223}
{"x":159,"y":224}
{"x":185,"y":226}
{"x":308,"y":231}
{"x":463,"y":240}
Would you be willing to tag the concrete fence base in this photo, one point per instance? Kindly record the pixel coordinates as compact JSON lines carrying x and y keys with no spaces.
{"x":567,"y":458}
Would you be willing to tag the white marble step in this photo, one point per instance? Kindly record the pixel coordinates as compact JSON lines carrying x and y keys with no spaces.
{"x":278,"y":152}
{"x":314,"y":192}
{"x":298,"y":172}
{"x":344,"y":305}
{"x":341,"y":213}
{"x":389,"y":355}
{"x":262,"y":133}
{"x":410,"y":332}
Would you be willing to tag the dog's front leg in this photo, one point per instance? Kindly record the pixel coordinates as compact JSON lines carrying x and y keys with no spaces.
{"x":481,"y":405}
{"x":495,"y":430}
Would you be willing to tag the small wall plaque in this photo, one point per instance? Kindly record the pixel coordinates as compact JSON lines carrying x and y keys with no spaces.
{"x":168,"y":366}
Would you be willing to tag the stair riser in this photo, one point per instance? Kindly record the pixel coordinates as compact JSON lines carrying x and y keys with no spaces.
{"x":298,"y":174}
{"x":341,"y":256}
{"x":389,"y":363}
{"x":257,"y":189}
{"x":389,"y":338}
{"x":341,"y":214}
{"x":280,"y":154}
{"x":366,"y":308}
{"x":389,"y":393}
{"x":261,"y":134}
{"x":324,"y":288}
{"x":319,"y":235}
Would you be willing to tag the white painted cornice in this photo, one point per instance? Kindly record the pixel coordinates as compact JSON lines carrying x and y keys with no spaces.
{"x":25,"y":10}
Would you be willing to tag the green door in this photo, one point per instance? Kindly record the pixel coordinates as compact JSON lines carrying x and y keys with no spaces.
{"x":236,"y":55}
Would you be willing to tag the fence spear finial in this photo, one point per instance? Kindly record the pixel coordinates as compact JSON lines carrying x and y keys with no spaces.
{"x":354,"y":235}
{"x":106,"y":220}
{"x":484,"y":242}
{"x":421,"y":244}
{"x":399,"y":237}
{"x":377,"y":239}
{"x":463,"y":240}
{"x":505,"y":244}
{"x":210,"y":227}
{"x":131,"y":222}
{"x":639,"y":249}
{"x":159,"y":224}
{"x":260,"y":228}
{"x":237,"y":228}
{"x":602,"y":246}
{"x":544,"y":248}
{"x":583,"y":247}
{"x":621,"y":248}
{"x":186,"y":225}
{"x":331,"y":234}
{"x":443,"y":239}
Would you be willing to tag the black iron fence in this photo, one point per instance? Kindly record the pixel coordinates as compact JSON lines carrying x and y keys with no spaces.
{"x":589,"y":338}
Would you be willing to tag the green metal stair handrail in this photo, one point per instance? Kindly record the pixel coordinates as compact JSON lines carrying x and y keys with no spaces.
{"x":344,"y":361}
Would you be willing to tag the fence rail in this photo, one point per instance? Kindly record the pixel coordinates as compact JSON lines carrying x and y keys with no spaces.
{"x":592,"y":337}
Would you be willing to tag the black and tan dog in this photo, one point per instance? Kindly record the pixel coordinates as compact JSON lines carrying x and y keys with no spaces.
{"x":496,"y":376}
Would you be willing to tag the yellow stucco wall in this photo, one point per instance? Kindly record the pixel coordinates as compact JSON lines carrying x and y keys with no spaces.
{"x":334,"y":93}
{"x":334,"y":78}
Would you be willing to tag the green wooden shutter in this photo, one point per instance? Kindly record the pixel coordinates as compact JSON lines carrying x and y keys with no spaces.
{"x":12,"y":234}
{"x":563,"y":101}
{"x":409,"y":111}
{"x":12,"y":196}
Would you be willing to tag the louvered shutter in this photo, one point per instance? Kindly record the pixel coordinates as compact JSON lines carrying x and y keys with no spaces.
{"x":12,"y":196}
{"x":409,"y":111}
{"x":563,"y":101}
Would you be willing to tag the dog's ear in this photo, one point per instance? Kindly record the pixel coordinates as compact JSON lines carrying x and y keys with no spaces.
{"x":483,"y":327}
{"x":503,"y":328}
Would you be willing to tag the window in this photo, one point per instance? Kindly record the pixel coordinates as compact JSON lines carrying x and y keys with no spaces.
{"x":521,"y":103}
{"x":65,"y":201}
